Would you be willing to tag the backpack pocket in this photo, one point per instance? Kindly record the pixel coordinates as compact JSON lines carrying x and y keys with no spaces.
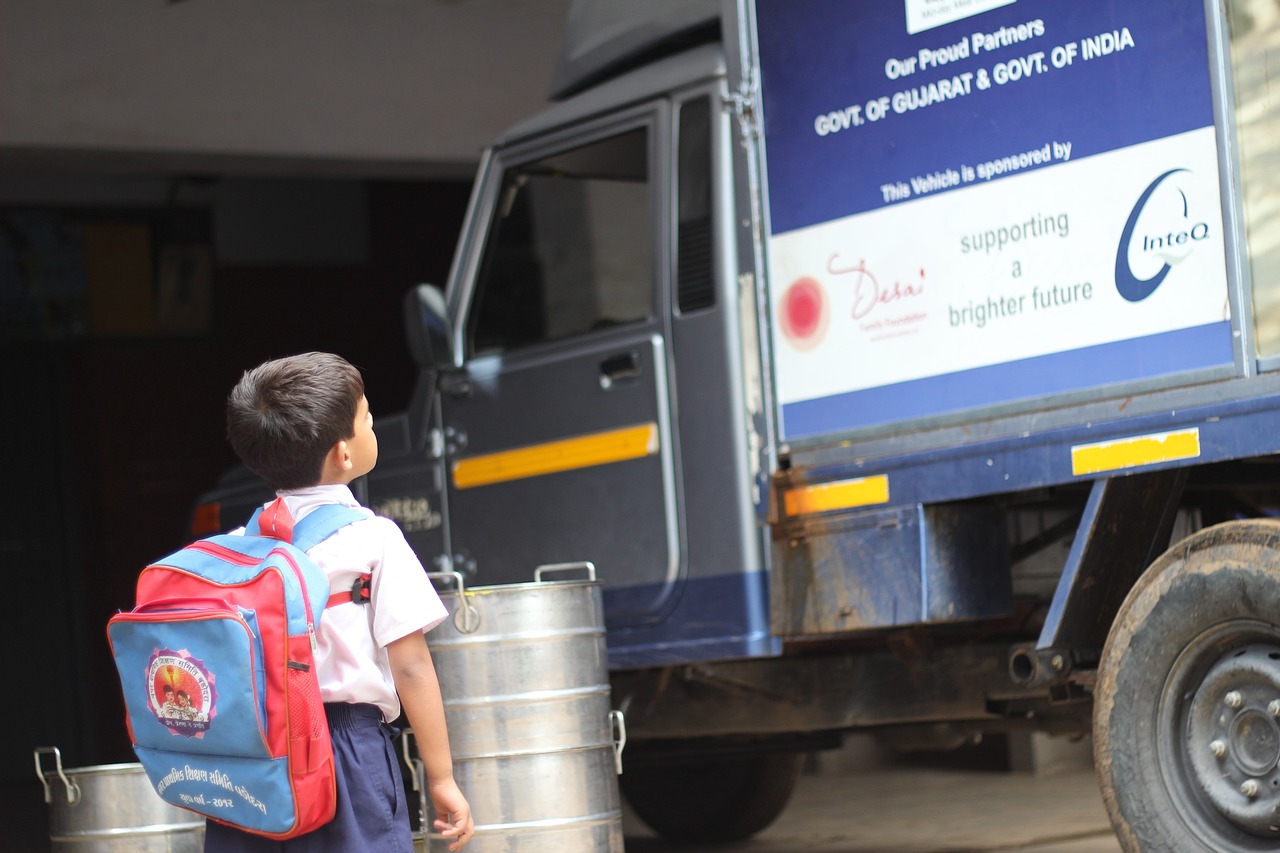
{"x":192,"y":675}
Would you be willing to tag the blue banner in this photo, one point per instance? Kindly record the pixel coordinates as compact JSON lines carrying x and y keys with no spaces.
{"x":979,"y":202}
{"x":860,"y":113}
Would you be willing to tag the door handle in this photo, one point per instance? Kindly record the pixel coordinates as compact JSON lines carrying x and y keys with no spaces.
{"x":617,"y":368}
{"x":454,"y":383}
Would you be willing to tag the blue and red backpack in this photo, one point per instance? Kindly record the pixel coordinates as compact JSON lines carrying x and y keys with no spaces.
{"x":220,"y":688}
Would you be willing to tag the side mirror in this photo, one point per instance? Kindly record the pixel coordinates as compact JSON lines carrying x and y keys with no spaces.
{"x":427,"y":328}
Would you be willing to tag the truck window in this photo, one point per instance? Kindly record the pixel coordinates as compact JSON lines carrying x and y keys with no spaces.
{"x":568,"y":250}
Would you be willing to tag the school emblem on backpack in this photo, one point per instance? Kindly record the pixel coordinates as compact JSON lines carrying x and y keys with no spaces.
{"x":181,"y":692}
{"x":220,"y":689}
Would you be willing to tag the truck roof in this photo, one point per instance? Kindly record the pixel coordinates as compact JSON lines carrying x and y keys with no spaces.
{"x":693,"y":66}
{"x":603,"y":38}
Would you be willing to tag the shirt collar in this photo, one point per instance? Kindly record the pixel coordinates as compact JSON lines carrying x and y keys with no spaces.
{"x":301,"y":500}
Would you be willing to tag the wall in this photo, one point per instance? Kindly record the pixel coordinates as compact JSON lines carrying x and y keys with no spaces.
{"x":392,"y":87}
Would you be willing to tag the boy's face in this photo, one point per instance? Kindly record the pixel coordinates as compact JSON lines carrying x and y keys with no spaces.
{"x":363,"y":444}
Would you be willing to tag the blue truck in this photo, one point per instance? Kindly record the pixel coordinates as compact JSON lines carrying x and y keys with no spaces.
{"x":903,"y":366}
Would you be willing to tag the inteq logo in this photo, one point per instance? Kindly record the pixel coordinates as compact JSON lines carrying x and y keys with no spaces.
{"x":1167,"y":237}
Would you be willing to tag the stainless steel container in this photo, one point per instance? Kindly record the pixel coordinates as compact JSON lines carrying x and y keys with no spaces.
{"x":112,"y":808}
{"x":536,"y":746}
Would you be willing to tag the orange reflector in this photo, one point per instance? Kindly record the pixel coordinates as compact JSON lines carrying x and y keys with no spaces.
{"x":842,"y":494}
{"x":600,"y":448}
{"x":1133,"y":452}
{"x":207,"y":519}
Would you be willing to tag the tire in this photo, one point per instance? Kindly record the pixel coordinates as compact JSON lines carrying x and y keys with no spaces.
{"x":713,"y":800}
{"x":1186,"y":735}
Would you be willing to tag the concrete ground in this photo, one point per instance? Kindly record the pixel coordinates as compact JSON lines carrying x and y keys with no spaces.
{"x":1052,"y":805}
{"x":858,"y":800}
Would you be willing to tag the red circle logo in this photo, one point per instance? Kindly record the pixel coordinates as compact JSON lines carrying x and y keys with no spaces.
{"x":803,"y":314}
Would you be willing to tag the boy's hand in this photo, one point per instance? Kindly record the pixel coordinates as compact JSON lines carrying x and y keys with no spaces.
{"x":419,"y":690}
{"x":454,"y":812}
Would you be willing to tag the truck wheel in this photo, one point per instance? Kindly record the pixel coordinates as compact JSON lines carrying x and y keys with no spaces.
{"x":713,"y":800}
{"x":1187,"y":706}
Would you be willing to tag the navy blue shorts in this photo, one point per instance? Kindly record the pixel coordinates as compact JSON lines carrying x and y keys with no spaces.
{"x":372,"y":814}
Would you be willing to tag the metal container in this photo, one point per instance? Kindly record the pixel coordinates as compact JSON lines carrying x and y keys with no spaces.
{"x":536,"y":746}
{"x":112,"y":808}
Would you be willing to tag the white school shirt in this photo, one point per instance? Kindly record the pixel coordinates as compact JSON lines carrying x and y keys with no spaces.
{"x":351,"y":660}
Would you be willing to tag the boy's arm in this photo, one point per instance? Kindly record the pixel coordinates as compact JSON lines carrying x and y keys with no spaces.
{"x":415,"y":678}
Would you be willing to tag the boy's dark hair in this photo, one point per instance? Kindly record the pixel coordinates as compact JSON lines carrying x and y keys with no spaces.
{"x":285,"y":415}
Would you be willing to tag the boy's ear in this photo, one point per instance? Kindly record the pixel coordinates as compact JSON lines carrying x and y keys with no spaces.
{"x":341,"y":454}
{"x":336,"y":462}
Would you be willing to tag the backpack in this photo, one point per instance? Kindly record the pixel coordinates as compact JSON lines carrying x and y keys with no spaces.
{"x":215,"y":662}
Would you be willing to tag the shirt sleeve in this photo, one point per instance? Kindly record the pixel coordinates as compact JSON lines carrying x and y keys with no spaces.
{"x":402,"y":597}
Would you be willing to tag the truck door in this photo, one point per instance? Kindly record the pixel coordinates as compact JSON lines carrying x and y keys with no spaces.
{"x":558,"y":439}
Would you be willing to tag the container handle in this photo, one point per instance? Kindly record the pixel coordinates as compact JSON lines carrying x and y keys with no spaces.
{"x":456,"y":577}
{"x":585,"y":565}
{"x":418,"y":770}
{"x":618,"y":726}
{"x":73,"y":790}
{"x":467,"y":619}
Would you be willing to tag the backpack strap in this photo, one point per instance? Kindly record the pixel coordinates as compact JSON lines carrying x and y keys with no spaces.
{"x":316,"y":526}
{"x":359,"y":592}
{"x":321,"y":523}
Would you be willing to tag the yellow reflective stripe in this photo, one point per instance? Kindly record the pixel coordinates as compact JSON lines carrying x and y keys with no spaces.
{"x":534,"y":460}
{"x":1135,"y":451}
{"x":842,"y":494}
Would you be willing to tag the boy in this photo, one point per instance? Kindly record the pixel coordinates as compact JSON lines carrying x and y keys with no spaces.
{"x":303,"y":424}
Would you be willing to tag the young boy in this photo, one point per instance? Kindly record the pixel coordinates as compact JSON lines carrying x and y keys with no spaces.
{"x":303,"y":424}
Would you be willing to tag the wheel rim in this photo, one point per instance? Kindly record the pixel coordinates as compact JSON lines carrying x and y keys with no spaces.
{"x":1218,"y":734}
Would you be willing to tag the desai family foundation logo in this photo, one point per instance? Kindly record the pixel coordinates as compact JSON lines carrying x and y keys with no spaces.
{"x":804,"y":313}
{"x":1161,"y":232}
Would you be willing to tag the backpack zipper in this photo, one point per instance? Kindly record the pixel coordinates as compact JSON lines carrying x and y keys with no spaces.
{"x":239,"y":559}
{"x":224,"y":553}
{"x":306,"y":598}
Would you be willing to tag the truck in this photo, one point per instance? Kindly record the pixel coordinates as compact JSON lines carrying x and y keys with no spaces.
{"x":905,"y":367}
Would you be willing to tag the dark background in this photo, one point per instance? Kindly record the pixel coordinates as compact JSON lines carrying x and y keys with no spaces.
{"x":113,"y":437}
